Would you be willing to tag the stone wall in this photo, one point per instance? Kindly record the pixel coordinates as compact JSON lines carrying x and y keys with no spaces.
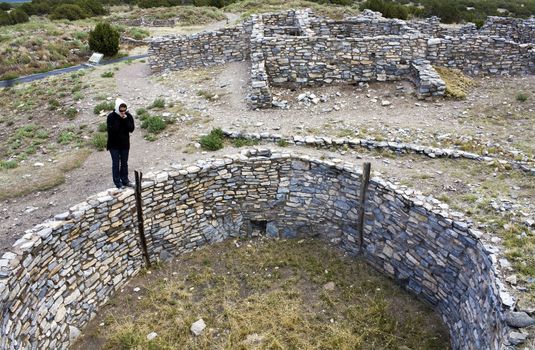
{"x":514,"y":29}
{"x":60,"y":272}
{"x":439,"y":259}
{"x":202,"y":49}
{"x":296,"y":48}
{"x":426,"y":79}
{"x":367,"y":24}
{"x":324,"y":60}
{"x":482,"y":55}
{"x":259,"y":94}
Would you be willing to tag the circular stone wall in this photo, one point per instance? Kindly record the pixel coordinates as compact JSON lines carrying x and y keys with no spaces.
{"x":61,"y":271}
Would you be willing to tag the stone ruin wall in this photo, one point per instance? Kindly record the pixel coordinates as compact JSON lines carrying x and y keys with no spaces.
{"x":61,"y":272}
{"x":199,"y":50}
{"x":295,"y":47}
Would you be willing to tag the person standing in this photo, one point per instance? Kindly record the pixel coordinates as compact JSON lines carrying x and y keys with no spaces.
{"x":120,"y":124}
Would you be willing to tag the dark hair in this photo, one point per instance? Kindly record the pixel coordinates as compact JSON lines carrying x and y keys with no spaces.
{"x":123,"y":105}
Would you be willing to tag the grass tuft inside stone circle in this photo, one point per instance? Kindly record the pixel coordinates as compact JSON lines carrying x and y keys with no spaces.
{"x":265,"y":294}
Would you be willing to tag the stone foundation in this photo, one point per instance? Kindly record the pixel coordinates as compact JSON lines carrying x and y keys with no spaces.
{"x":59,"y":273}
{"x":296,"y":48}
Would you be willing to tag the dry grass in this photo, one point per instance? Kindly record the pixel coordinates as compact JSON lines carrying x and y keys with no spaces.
{"x":266,"y":294}
{"x":41,"y":178}
{"x":457,"y":84}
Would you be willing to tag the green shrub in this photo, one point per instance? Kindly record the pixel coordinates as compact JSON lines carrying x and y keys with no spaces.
{"x":92,"y":7}
{"x":68,"y":11}
{"x":154,"y":124}
{"x":4,"y":18}
{"x":71,"y":113}
{"x":242,"y":142}
{"x":65,"y":137}
{"x":4,"y":6}
{"x":41,"y":134}
{"x":282,"y":143}
{"x":53,"y":104}
{"x":99,"y":141}
{"x":102,"y":127}
{"x":521,"y":97}
{"x":142,"y":113}
{"x":104,"y":106}
{"x":387,"y":8}
{"x":213,"y":141}
{"x":107,"y":75}
{"x":104,"y":39}
{"x":158,"y":103}
{"x":18,"y":16}
{"x":8,"y":164}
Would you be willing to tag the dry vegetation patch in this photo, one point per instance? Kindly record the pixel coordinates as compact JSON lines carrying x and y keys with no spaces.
{"x":42,"y":177}
{"x":457,"y":84}
{"x":249,"y":7}
{"x":265,"y":294}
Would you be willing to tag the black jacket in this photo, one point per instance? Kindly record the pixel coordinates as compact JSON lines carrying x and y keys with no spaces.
{"x":119,"y":130}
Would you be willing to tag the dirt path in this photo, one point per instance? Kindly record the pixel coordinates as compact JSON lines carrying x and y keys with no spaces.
{"x":491,"y":115}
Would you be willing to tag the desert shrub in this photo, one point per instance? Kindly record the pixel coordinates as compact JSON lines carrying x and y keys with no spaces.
{"x":4,"y":18}
{"x":99,"y":141}
{"x":18,"y":16}
{"x":92,"y":7}
{"x":243,"y":141}
{"x":387,"y":8}
{"x":282,"y":143}
{"x":153,"y":3}
{"x":8,"y":164}
{"x":104,"y":39}
{"x":71,"y":113}
{"x":65,"y":137}
{"x":36,"y":8}
{"x":107,"y":75}
{"x":104,"y":106}
{"x":53,"y":104}
{"x":158,"y":103}
{"x":447,"y":11}
{"x":102,"y":127}
{"x":68,"y":11}
{"x":153,"y":124}
{"x":213,"y":141}
{"x":521,"y":97}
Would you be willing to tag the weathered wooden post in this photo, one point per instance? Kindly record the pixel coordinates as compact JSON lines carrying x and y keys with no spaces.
{"x":139,"y":207}
{"x":366,"y":169}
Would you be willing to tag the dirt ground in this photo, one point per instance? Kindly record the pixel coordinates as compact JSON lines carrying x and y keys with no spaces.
{"x":359,"y":113}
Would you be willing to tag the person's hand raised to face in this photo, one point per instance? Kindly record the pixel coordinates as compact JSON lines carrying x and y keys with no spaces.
{"x":122,"y":112}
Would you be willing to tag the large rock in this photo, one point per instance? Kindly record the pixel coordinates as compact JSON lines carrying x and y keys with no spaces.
{"x":519,"y":319}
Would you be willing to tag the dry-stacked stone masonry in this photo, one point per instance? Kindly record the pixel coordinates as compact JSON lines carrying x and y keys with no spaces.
{"x":60,"y":272}
{"x":296,"y":48}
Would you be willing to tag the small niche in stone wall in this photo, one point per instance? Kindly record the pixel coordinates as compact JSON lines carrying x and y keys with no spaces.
{"x":257,"y":228}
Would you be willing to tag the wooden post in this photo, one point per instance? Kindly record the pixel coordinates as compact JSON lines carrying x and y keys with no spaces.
{"x":366,"y":168}
{"x":139,"y":207}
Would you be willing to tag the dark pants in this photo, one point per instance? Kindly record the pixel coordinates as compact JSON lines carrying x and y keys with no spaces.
{"x":119,"y":166}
